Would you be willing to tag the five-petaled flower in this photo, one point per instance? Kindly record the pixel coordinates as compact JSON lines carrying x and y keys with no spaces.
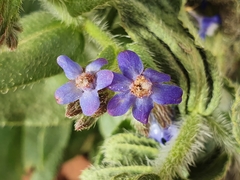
{"x":140,"y":88}
{"x":84,"y":84}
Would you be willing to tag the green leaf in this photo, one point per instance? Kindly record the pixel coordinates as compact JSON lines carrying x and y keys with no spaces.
{"x":109,"y":54}
{"x":10,"y":153}
{"x":100,"y":37}
{"x":77,"y":7}
{"x":43,"y":149}
{"x":42,"y":41}
{"x":110,"y":172}
{"x":45,"y":131}
{"x":123,"y":156}
{"x":144,"y":54}
{"x":33,"y":106}
{"x":107,"y":124}
{"x":222,"y":131}
{"x":214,"y":169}
{"x":124,"y":126}
{"x":148,"y":176}
{"x":123,"y":176}
{"x":236,"y":117}
{"x":29,"y":6}
{"x":136,"y":147}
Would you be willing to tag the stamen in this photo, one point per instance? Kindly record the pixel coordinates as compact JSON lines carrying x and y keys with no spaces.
{"x":85,"y":81}
{"x":141,"y":87}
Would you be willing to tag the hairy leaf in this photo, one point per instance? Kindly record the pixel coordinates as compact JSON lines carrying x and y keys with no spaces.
{"x":33,"y":106}
{"x":190,"y":66}
{"x":137,"y":148}
{"x":42,"y":41}
{"x":123,"y":156}
{"x":236,"y":117}
{"x":77,"y":7}
{"x":214,"y":169}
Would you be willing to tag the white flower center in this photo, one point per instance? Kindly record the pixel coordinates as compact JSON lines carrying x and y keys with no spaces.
{"x":85,"y":81}
{"x":141,"y":87}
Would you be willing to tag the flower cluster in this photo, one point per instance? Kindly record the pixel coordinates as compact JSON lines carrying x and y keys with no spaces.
{"x":137,"y":87}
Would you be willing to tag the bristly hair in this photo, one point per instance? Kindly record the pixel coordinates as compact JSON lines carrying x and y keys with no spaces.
{"x":221,"y":128}
{"x":59,"y":10}
{"x":182,"y":151}
{"x":103,"y":27}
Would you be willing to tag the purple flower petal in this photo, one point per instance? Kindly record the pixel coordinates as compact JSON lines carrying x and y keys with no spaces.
{"x":89,"y":102}
{"x":67,"y":93}
{"x":130,"y":64}
{"x":155,"y":131}
{"x":167,"y":134}
{"x":170,"y":132}
{"x":96,"y":65}
{"x":167,"y":94}
{"x":208,"y":25}
{"x":104,"y":79}
{"x":120,"y":83}
{"x":162,"y":135}
{"x":142,"y":108}
{"x":120,"y":104}
{"x":156,"y":77}
{"x":71,"y":69}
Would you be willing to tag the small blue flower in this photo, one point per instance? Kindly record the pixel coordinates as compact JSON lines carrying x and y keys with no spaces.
{"x":161,"y":135}
{"x":208,"y":25}
{"x":83,"y":85}
{"x":140,"y":88}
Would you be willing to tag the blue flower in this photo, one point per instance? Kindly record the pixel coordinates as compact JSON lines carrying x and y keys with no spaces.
{"x":83,"y":85}
{"x":140,"y":88}
{"x":161,"y":135}
{"x":208,"y":25}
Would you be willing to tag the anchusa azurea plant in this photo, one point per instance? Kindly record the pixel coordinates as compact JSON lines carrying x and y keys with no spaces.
{"x":162,"y":89}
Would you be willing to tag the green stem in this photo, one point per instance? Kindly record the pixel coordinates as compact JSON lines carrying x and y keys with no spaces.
{"x":99,"y":36}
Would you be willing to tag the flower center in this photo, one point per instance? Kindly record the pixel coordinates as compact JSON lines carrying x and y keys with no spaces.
{"x":85,"y":81}
{"x":141,"y":87}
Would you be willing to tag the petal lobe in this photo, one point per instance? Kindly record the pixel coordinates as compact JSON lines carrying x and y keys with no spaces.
{"x":130,"y":64}
{"x":72,"y":69}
